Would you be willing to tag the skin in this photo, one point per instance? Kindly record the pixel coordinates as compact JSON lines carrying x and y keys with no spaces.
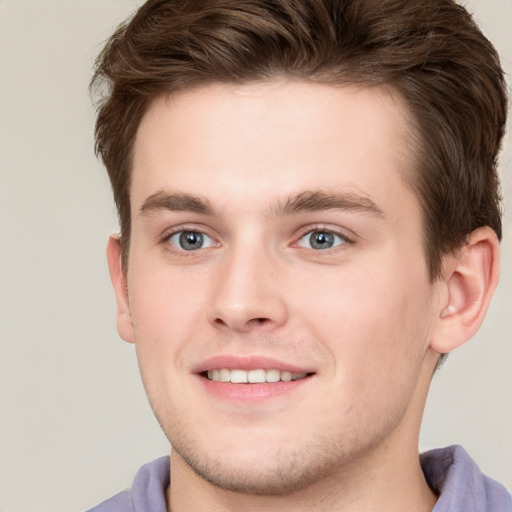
{"x":361,"y":317}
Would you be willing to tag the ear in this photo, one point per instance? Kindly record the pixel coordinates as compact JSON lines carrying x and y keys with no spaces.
{"x":118,"y":278}
{"x":469,"y":280}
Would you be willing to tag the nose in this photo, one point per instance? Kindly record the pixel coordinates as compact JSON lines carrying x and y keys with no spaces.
{"x":248,"y":294}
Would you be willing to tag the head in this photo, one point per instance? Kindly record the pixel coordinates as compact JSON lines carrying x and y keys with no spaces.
{"x":295,"y":182}
{"x":429,"y":52}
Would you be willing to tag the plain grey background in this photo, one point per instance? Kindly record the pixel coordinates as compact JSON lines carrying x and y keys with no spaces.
{"x":74,"y":422}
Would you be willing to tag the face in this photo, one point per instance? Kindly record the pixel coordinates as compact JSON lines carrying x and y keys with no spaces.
{"x":277,"y":289}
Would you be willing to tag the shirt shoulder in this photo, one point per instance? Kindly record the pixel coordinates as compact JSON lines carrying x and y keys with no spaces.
{"x":118,"y":503}
{"x":460,"y":484}
{"x":147,"y":493}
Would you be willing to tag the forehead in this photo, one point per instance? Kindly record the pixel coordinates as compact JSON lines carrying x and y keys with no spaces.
{"x":272,"y":139}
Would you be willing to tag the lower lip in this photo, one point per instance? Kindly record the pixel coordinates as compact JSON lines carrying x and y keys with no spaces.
{"x":251,"y":392}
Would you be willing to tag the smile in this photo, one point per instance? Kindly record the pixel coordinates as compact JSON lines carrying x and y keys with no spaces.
{"x":257,"y":376}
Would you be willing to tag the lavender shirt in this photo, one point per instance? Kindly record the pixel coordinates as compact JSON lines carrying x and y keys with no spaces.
{"x":449,"y":471}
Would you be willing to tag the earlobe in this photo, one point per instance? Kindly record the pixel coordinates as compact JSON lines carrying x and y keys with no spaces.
{"x":471,"y":276}
{"x":118,"y":278}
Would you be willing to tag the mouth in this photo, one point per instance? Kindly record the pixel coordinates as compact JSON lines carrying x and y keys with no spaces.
{"x":254,"y":376}
{"x":251,"y":379}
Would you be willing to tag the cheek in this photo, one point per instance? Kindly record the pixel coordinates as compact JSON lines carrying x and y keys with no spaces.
{"x":168,"y":312}
{"x":161,"y":331}
{"x":375,"y":324}
{"x":161,"y":318}
{"x":162,"y":301}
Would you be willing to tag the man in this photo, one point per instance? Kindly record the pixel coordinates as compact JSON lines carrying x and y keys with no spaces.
{"x":310,"y":221}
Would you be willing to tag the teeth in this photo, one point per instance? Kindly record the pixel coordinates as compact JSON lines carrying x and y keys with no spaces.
{"x":286,"y":376}
{"x":258,"y":376}
{"x":224,"y":375}
{"x":272,"y":375}
{"x":238,"y":376}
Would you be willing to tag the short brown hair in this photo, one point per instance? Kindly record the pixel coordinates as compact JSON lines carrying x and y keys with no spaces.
{"x":430,"y":51}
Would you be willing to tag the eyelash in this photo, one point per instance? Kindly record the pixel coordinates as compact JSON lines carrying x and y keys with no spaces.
{"x":165,"y":240}
{"x":321,"y":228}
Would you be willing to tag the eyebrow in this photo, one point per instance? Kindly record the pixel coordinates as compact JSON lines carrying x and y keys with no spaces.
{"x":177,"y":202}
{"x":314,"y":201}
{"x":305,"y":202}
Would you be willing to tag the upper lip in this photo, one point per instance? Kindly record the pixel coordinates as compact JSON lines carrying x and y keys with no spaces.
{"x":251,"y":362}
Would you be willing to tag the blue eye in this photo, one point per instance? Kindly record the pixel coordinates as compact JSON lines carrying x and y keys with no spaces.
{"x":319,"y":240}
{"x":190,"y":240}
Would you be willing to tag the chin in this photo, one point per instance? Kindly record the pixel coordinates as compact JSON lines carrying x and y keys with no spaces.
{"x":278,"y":474}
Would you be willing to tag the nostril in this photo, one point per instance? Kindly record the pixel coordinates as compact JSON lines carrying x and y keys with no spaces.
{"x":256,"y":322}
{"x":241,"y":324}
